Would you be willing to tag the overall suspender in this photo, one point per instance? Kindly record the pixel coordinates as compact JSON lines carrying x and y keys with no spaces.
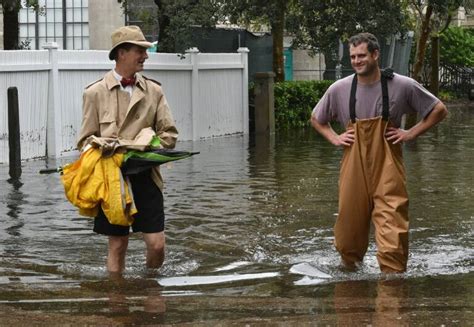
{"x":385,"y":74}
{"x":352,"y":100}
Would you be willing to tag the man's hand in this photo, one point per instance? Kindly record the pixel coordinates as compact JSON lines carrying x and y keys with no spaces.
{"x":345,"y":139}
{"x":397,"y":135}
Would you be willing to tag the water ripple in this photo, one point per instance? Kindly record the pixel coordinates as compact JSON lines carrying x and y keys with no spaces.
{"x":250,"y":206}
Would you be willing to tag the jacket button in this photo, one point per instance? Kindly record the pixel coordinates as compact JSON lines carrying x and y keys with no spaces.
{"x":137,"y":116}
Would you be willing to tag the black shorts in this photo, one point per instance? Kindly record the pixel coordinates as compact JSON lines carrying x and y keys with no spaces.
{"x":150,"y":217}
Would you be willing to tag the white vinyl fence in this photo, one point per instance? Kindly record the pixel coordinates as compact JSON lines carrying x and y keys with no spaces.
{"x":207,"y":93}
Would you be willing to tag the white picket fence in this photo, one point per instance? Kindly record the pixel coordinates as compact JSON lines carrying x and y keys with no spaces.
{"x":207,"y":93}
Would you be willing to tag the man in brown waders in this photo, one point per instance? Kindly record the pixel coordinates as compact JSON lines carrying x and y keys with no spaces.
{"x":372,"y":182}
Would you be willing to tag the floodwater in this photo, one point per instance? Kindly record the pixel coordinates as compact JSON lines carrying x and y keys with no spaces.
{"x":249,"y":242}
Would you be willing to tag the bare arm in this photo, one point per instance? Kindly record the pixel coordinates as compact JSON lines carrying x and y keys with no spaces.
{"x":344,"y":139}
{"x":397,"y":135}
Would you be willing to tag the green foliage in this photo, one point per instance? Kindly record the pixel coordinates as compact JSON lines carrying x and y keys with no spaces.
{"x":258,"y":14}
{"x":326,"y":22}
{"x":319,"y":24}
{"x":15,"y":5}
{"x":457,"y":46}
{"x":183,"y":15}
{"x":175,"y":20}
{"x":316,"y":24}
{"x":255,"y":12}
{"x":446,"y":95}
{"x":294,"y":101}
{"x":432,"y":18}
{"x":11,"y":9}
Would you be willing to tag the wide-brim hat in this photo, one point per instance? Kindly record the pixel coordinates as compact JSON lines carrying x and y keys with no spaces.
{"x":128,"y":34}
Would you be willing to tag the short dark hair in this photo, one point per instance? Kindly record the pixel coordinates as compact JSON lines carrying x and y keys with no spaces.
{"x":125,"y":46}
{"x":369,"y":38}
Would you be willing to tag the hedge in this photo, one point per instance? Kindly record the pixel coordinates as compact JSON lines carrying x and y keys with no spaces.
{"x":294,"y":101}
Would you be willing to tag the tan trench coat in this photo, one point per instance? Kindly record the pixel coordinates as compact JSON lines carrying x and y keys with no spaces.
{"x":110,"y":112}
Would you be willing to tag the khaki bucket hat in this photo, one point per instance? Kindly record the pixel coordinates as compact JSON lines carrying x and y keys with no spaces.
{"x":128,"y":34}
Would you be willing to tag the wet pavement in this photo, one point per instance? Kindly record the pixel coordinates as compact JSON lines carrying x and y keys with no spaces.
{"x":249,"y":235}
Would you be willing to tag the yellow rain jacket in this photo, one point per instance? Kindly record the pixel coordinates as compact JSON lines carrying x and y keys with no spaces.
{"x":94,"y":181}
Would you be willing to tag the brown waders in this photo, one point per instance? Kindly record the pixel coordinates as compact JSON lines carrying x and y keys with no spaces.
{"x":372,"y":187}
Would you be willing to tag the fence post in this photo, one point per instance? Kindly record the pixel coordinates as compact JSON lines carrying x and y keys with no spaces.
{"x":264,"y":103}
{"x":244,"y":54}
{"x":54,"y":121}
{"x":194,"y":53}
{"x":14,"y":134}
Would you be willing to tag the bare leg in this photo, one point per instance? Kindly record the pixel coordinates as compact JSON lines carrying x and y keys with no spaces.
{"x":155,"y":249}
{"x":116,"y":256}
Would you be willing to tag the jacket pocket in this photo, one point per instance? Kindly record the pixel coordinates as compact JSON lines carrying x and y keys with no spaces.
{"x":108,"y":127}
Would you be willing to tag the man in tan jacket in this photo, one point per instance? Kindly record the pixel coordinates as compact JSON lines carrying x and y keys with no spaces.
{"x":120,"y":105}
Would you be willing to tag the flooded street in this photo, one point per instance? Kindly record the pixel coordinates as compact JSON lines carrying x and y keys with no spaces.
{"x":249,"y":241}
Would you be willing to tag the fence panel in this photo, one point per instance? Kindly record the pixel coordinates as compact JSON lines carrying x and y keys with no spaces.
{"x":177,"y":88}
{"x":456,"y":79}
{"x":29,"y":72}
{"x":220,"y":97}
{"x":205,"y":93}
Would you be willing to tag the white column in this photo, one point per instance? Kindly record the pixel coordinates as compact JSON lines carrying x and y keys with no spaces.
{"x":54,"y":121}
{"x":244,"y":53}
{"x":195,"y":110}
{"x":105,"y":16}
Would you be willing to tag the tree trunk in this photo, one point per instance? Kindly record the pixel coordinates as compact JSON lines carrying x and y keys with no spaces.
{"x":10,"y":28}
{"x":411,"y":119}
{"x":278,"y":27}
{"x":434,"y":75}
{"x":422,"y":41}
{"x":166,"y":42}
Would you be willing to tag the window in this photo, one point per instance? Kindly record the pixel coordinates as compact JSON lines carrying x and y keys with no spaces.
{"x":63,"y":21}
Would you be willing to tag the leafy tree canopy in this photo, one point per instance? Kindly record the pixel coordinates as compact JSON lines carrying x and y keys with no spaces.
{"x":432,"y":17}
{"x":316,"y":24}
{"x":10,"y":21}
{"x":15,"y":5}
{"x":256,"y":12}
{"x":271,"y":14}
{"x":324,"y":23}
{"x":176,"y":19}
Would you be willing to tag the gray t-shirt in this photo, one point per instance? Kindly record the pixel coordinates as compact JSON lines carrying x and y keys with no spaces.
{"x":405,"y":96}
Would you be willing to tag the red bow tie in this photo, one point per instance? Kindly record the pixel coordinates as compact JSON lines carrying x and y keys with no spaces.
{"x":128,"y":81}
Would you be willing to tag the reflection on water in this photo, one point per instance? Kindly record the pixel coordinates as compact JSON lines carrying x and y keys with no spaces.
{"x":247,"y":207}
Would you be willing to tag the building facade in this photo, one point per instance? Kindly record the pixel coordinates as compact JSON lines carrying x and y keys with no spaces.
{"x":72,"y":24}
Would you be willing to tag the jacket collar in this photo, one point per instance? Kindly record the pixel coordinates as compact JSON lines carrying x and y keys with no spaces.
{"x":111,"y":81}
{"x":140,"y":82}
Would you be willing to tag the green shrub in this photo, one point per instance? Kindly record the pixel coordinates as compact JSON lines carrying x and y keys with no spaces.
{"x":294,"y":101}
{"x":457,"y":46}
{"x":446,"y":95}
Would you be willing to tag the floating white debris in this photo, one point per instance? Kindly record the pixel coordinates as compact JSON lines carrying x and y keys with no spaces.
{"x":307,"y":269}
{"x":233,"y":265}
{"x":310,"y":281}
{"x":207,"y":280}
